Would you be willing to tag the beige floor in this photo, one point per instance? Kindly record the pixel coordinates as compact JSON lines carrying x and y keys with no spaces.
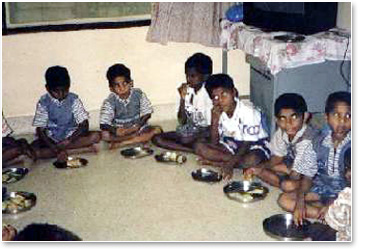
{"x":116,"y":199}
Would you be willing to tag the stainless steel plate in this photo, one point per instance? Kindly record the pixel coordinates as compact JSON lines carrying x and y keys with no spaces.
{"x":136,"y":152}
{"x":72,"y":162}
{"x":11,"y":175}
{"x":282,"y":227}
{"x":16,"y":202}
{"x":245,"y":191}
{"x":206,"y":175}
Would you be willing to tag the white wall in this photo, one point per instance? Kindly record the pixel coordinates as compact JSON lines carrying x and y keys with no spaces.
{"x":344,"y":15}
{"x":156,"y":69}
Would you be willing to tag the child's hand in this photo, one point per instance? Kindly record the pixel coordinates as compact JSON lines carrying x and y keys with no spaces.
{"x":62,"y":156}
{"x":253,"y":171}
{"x":9,"y":232}
{"x":216,"y":111}
{"x":63,"y":144}
{"x":126,"y":131}
{"x":300,"y":210}
{"x":322,"y":212}
{"x":183,"y":90}
{"x":227,"y":172}
{"x":120,"y":131}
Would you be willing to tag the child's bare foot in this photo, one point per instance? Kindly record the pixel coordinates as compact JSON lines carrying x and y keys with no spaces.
{"x":31,"y":154}
{"x":114,"y":145}
{"x":202,"y":161}
{"x":94,"y":148}
{"x":226,"y":169}
{"x":27,"y":150}
{"x":146,"y":145}
{"x":227,"y":172}
{"x":16,"y":161}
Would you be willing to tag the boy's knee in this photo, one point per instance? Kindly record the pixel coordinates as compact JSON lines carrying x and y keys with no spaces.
{"x":156,"y":139}
{"x":106,"y":136}
{"x":288,"y":186}
{"x":199,"y":148}
{"x":284,"y":201}
{"x":96,"y":136}
{"x":251,"y":159}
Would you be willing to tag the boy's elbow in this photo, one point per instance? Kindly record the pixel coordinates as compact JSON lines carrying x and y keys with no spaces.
{"x":103,"y":127}
{"x":39,"y":131}
{"x":147,"y":117}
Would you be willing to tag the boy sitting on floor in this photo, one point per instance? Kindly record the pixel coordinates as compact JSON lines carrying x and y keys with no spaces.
{"x":237,"y":134}
{"x":330,"y":147}
{"x":14,"y":148}
{"x":61,"y":120}
{"x":291,"y":146}
{"x":194,"y":114}
{"x":125,"y":112}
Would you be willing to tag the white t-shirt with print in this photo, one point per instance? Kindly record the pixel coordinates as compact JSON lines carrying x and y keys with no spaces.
{"x":199,"y":106}
{"x":244,"y":125}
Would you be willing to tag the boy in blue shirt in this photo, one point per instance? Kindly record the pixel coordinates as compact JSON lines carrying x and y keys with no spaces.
{"x":194,"y":112}
{"x":330,"y":147}
{"x":61,"y":121}
{"x":125,"y":112}
{"x":237,"y":134}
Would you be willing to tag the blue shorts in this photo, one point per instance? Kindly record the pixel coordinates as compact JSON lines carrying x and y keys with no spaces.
{"x":261,"y":145}
{"x":326,"y":191}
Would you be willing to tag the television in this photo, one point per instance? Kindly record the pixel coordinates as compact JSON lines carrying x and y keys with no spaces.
{"x":300,"y":17}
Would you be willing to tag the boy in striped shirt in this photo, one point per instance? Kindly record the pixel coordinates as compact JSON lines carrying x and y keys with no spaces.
{"x":125,"y":112}
{"x":293,"y":157}
{"x":331,"y":148}
{"x":61,"y":122}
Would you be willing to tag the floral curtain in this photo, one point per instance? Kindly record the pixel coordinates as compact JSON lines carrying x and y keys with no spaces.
{"x":187,"y":22}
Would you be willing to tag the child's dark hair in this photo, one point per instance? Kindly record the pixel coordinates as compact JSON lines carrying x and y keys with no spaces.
{"x":118,"y":70}
{"x":201,"y":62}
{"x":219,"y":81}
{"x":45,"y":232}
{"x":341,"y":96}
{"x":290,"y":101}
{"x":57,"y":76}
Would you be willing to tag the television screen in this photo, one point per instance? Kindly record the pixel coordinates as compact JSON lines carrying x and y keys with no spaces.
{"x":280,"y":7}
{"x":300,"y":17}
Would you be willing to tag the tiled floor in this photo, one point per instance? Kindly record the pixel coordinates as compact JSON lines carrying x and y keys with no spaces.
{"x":116,"y":199}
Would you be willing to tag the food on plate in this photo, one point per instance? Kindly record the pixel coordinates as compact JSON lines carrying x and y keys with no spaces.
{"x":247,"y":197}
{"x":257,"y":191}
{"x":74,"y":163}
{"x":6,"y":177}
{"x":18,"y":202}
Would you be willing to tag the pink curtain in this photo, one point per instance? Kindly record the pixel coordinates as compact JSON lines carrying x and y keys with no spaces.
{"x":187,"y":22}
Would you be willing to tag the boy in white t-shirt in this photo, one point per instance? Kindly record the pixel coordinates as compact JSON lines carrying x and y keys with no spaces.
{"x":194,"y":112}
{"x":237,"y":133}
